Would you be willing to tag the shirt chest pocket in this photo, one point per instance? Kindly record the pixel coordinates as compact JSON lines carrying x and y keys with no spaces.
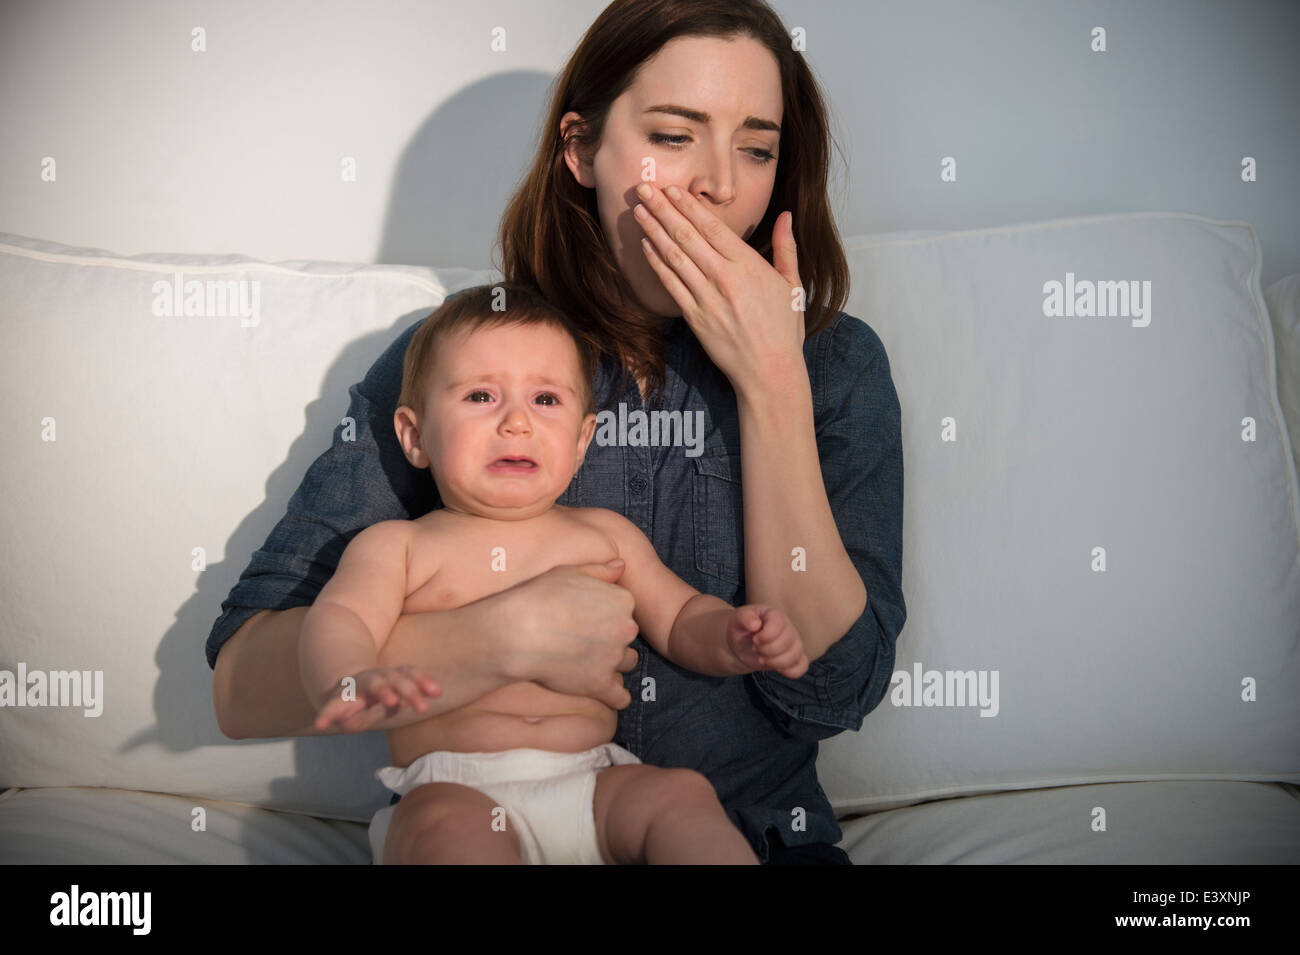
{"x":718,"y":516}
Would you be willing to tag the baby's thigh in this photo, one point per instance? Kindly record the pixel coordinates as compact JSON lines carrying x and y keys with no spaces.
{"x":447,"y":822}
{"x":630,"y":799}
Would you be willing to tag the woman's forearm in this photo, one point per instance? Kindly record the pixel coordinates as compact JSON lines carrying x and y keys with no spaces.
{"x":257,"y":687}
{"x":785,"y":507}
{"x":458,"y":648}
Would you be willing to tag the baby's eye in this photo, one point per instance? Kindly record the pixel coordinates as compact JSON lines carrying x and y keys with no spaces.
{"x":555,"y":399}
{"x":470,"y":396}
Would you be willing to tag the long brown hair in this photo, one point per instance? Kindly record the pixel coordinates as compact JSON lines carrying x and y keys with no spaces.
{"x":550,"y":235}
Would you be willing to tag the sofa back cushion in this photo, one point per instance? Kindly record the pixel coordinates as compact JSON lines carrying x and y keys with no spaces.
{"x":1101,"y":519}
{"x":160,"y":410}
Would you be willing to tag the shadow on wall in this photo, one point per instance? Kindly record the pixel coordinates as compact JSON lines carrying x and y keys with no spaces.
{"x":458,"y":172}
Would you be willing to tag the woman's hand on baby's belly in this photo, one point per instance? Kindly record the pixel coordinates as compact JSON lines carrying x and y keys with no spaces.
{"x":569,"y":629}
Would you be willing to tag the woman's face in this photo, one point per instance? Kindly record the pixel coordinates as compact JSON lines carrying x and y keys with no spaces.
{"x":717,"y":154}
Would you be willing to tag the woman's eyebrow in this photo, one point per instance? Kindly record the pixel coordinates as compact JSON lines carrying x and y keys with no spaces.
{"x":695,"y":116}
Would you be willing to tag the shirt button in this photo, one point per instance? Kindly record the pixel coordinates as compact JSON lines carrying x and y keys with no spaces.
{"x":638,"y":484}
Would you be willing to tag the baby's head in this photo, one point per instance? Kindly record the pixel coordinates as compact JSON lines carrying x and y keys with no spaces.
{"x":497,"y":401}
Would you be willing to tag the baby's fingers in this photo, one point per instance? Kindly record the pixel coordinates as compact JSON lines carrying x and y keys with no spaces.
{"x":795,"y":670}
{"x":376,"y":688}
{"x":364,"y":719}
{"x":774,"y":639}
{"x":749,"y":618}
{"x":427,"y":683}
{"x":787,"y":657}
{"x":414,"y":686}
{"x":336,"y":711}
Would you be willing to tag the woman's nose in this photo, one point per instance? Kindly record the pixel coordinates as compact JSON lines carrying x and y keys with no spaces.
{"x":715,"y":179}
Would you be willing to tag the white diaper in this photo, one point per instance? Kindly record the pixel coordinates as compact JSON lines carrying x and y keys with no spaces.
{"x":547,"y":797}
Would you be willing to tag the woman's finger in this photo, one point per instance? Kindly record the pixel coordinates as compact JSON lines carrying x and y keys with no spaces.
{"x":678,"y":247}
{"x":713,"y":230}
{"x":672,"y":284}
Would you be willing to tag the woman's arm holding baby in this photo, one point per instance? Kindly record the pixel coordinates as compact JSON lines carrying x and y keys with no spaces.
{"x":564,"y":629}
{"x":260,"y":660}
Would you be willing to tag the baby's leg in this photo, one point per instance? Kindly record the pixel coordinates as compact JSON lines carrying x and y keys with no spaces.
{"x":656,"y":816}
{"x":447,"y":824}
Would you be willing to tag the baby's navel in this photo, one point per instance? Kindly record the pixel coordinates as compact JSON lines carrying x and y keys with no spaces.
{"x":532,"y":719}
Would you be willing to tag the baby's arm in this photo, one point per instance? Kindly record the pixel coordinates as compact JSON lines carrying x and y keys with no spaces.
{"x":348,"y":624}
{"x":699,"y":631}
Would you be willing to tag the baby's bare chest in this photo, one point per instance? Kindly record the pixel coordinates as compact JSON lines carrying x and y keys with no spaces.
{"x":455,"y":563}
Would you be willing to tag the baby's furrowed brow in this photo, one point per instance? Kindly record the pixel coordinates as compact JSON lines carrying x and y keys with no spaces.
{"x":494,"y":380}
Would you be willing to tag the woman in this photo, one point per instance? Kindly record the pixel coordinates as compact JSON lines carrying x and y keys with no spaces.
{"x":798,"y":405}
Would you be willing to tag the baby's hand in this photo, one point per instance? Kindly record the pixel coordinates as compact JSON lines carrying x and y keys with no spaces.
{"x":763,"y":638}
{"x":377,"y":691}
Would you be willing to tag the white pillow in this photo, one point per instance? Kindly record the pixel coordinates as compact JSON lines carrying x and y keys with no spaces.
{"x":171,"y":434}
{"x":1071,"y":434}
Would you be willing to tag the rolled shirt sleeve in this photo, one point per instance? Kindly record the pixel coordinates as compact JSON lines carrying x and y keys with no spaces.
{"x":859,"y":441}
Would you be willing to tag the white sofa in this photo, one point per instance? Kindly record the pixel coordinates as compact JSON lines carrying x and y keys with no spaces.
{"x":1102,"y":532}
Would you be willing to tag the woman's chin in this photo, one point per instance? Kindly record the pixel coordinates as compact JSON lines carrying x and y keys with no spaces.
{"x":657,"y":301}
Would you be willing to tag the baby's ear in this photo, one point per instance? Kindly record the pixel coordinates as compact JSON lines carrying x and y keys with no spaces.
{"x":585,"y":436}
{"x":407,"y":425}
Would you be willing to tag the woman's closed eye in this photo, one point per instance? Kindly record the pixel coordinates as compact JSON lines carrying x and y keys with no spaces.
{"x":761,"y":156}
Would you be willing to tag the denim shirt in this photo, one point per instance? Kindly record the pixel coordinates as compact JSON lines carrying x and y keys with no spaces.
{"x":754,"y":736}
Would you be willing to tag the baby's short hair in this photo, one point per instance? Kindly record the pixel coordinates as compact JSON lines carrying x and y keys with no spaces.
{"x":476,"y":308}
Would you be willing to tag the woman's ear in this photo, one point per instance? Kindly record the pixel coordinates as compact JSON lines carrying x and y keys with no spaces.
{"x":579,"y":163}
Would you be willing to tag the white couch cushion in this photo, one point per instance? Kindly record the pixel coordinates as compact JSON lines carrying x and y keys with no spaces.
{"x":1160,"y":823}
{"x":171,"y":433}
{"x":117,"y":827}
{"x":1070,"y":435}
{"x":1187,"y":822}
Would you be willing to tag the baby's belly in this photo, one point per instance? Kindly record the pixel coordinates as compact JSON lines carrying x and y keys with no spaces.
{"x":521,"y":715}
